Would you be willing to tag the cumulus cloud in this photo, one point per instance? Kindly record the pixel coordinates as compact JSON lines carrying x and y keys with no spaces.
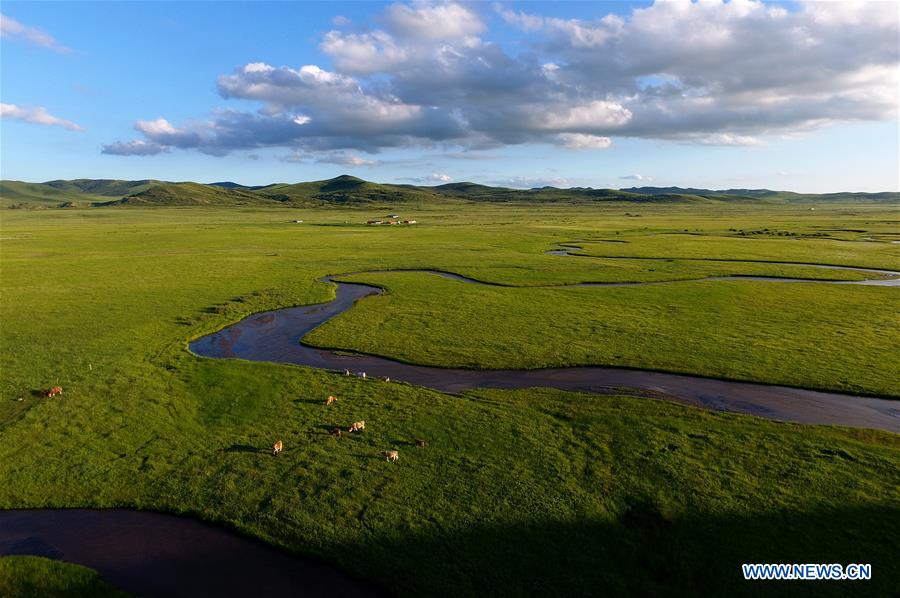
{"x":36,"y":115}
{"x":363,"y":53}
{"x":443,"y":21}
{"x":428,"y":75}
{"x":582,"y":141}
{"x":13,"y":29}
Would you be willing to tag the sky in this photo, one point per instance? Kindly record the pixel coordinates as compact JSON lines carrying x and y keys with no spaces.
{"x":740,"y":94}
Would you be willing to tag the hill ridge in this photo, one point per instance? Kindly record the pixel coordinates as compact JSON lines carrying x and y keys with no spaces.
{"x":348,"y":190}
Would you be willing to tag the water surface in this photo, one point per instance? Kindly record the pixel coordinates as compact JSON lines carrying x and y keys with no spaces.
{"x":275,"y":336}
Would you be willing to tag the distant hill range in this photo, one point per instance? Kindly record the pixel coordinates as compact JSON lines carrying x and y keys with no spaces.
{"x":347,"y":190}
{"x":768,"y":194}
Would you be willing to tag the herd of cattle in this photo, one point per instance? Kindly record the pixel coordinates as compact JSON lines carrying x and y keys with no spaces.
{"x":358,"y":426}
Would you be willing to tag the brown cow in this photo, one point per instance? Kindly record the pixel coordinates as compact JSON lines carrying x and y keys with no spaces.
{"x":392,"y":456}
{"x":277,"y":448}
{"x":56,"y":390}
{"x":331,"y":399}
{"x":357,"y":426}
{"x":420,"y":443}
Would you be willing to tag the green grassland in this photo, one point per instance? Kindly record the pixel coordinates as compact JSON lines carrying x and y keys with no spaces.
{"x":766,"y":248}
{"x":536,"y":491}
{"x":27,"y":576}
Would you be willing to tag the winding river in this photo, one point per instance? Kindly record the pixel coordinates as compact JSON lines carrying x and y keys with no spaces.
{"x":275,"y":336}
{"x":152,"y":554}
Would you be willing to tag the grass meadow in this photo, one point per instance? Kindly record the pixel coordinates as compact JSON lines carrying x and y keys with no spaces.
{"x":28,"y":576}
{"x":532,"y":491}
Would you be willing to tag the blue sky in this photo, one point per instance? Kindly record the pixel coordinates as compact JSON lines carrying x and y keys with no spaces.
{"x":740,"y":94}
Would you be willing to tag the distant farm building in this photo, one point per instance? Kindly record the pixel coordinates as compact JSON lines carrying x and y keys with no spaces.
{"x":391,"y":221}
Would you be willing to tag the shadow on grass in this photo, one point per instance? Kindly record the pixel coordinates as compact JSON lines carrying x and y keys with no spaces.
{"x":644,"y":552}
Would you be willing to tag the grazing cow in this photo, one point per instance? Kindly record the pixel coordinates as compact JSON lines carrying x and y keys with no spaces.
{"x":392,"y":456}
{"x":386,"y":379}
{"x":331,"y":399}
{"x":346,"y":372}
{"x":56,"y":390}
{"x":336,"y":432}
{"x":420,"y":443}
{"x":277,"y":448}
{"x":357,"y":426}
{"x":361,"y":374}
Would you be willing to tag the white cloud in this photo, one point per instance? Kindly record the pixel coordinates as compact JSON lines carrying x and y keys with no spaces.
{"x":13,"y":29}
{"x":438,"y":21}
{"x":437,"y":178}
{"x":582,"y":141}
{"x":427,"y":75}
{"x":363,"y":53}
{"x":637,"y":177}
{"x":333,"y":99}
{"x":160,"y":126}
{"x":728,"y":139}
{"x":598,"y":114}
{"x":36,"y":115}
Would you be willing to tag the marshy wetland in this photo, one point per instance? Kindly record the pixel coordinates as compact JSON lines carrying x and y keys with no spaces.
{"x":641,"y":495}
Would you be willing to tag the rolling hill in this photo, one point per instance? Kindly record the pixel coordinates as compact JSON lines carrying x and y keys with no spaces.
{"x":187,"y":194}
{"x":348,"y":190}
{"x":765,"y":194}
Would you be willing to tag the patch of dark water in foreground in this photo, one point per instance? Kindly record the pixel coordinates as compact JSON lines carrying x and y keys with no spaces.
{"x":275,"y":336}
{"x":152,"y":554}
